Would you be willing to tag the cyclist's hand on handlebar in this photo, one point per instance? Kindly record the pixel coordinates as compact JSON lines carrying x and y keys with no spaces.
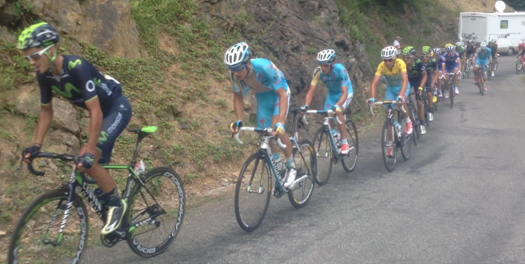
{"x":304,"y":108}
{"x":336,"y":109}
{"x":235,"y":126}
{"x":86,"y":162}
{"x":400,"y":98}
{"x":371,"y":101}
{"x":278,"y":129}
{"x":28,"y":152}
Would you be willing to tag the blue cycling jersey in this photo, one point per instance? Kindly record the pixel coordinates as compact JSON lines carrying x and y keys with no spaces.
{"x":267,"y":74}
{"x":79,"y":82}
{"x":335,"y":80}
{"x":449,"y":60}
{"x":484,"y":55}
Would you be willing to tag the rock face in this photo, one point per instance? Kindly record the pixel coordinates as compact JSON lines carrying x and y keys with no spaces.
{"x":105,"y":24}
{"x":291,"y":33}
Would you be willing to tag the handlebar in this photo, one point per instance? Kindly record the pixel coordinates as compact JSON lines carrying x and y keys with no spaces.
{"x":390,"y":102}
{"x":447,"y":73}
{"x":258,"y":130}
{"x":319,"y":112}
{"x":62,"y":157}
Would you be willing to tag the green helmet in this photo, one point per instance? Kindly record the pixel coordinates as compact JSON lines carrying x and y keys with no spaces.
{"x":37,"y":35}
{"x":425,"y":50}
{"x":409,"y":51}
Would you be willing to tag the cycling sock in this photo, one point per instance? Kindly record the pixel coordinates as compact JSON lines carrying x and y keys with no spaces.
{"x":112,"y":198}
{"x":290,"y":163}
{"x":344,"y":141}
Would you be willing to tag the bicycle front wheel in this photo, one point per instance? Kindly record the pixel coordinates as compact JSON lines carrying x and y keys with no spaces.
{"x":406,"y":145}
{"x":156,"y":211}
{"x":36,"y":237}
{"x":324,"y":152}
{"x":389,"y":141}
{"x":252,"y":193}
{"x":518,"y":66}
{"x":350,"y":160}
{"x":306,"y":166}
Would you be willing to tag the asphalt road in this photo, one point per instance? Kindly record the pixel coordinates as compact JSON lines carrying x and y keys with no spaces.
{"x":459,"y":199}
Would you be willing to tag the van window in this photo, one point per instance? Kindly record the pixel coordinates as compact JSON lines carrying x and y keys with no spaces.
{"x":504,"y":24}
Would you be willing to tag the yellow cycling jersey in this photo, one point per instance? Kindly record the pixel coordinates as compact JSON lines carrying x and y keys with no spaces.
{"x":393,"y":76}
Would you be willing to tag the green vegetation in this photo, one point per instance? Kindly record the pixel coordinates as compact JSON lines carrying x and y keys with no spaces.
{"x":516,"y":4}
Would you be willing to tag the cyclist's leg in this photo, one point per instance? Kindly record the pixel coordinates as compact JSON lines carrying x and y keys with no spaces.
{"x":420,"y":106}
{"x":115,"y":121}
{"x":342,"y":127}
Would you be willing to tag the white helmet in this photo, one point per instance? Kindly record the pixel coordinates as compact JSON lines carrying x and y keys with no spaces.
{"x":237,"y":55}
{"x":483,"y":44}
{"x":326,"y":56}
{"x":389,"y":52}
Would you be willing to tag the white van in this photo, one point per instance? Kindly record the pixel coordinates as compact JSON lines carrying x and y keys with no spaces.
{"x":506,"y":28}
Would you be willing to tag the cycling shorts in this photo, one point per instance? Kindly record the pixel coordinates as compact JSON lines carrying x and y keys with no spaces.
{"x":482,"y":62}
{"x":450,"y":68}
{"x":392,"y":92}
{"x":333,"y":98}
{"x":267,"y":107}
{"x":115,"y":119}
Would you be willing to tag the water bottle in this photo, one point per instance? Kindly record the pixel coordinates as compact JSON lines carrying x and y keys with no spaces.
{"x":337,"y":138}
{"x":139,"y":167}
{"x":279,"y":164}
{"x":398,"y":128}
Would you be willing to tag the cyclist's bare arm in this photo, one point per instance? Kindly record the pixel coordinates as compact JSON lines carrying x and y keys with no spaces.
{"x":238,"y":104}
{"x":44,"y":121}
{"x":283,"y":104}
{"x":373,"y":86}
{"x":344,"y":95}
{"x":95,"y":124}
{"x":424,"y":80}
{"x":404,"y":84}
{"x":309,"y":94}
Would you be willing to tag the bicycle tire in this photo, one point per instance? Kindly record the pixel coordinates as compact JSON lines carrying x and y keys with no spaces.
{"x":172,"y":207}
{"x":415,"y":119}
{"x":390,"y":162}
{"x":451,"y":93}
{"x":305,"y":188}
{"x":489,"y":75}
{"x":407,"y":148}
{"x":45,"y":253}
{"x":324,"y":152}
{"x":518,"y":66}
{"x":347,"y":161}
{"x":259,"y":160}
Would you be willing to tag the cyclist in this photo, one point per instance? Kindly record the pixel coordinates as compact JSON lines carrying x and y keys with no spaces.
{"x":493,"y":45}
{"x":417,"y":78}
{"x":272,"y":94}
{"x":521,"y":47}
{"x":437,"y":56}
{"x":432,"y":73}
{"x":395,"y":72}
{"x":75,"y":79}
{"x":340,"y":92}
{"x":471,"y":48}
{"x":450,"y":62}
{"x":460,"y":49}
{"x":482,"y":58}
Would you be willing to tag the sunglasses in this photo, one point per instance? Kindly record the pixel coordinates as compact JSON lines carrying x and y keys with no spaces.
{"x":408,"y":57}
{"x":388,"y":60}
{"x":236,"y":69}
{"x":426,"y":56}
{"x":36,"y":56}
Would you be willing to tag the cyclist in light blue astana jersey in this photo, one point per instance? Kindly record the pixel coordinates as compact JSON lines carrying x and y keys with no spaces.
{"x":272,"y":94}
{"x":482,"y":57}
{"x":340,"y":92}
{"x":76,"y":80}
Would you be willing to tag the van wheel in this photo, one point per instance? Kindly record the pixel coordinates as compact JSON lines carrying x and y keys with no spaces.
{"x":510,"y":52}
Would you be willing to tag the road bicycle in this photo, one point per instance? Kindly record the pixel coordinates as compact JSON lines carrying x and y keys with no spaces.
{"x":480,"y":73}
{"x":392,"y":136}
{"x":450,"y":86}
{"x":255,"y":183}
{"x":55,"y":225}
{"x":467,"y":68}
{"x":520,"y":63}
{"x":327,"y":145}
{"x":493,"y":68}
{"x":412,"y":113}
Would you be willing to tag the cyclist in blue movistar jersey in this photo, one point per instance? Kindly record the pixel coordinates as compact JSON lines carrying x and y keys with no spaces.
{"x":450,"y":62}
{"x":417,"y":77}
{"x":340,"y":92}
{"x":75,"y":79}
{"x":272,"y":94}
{"x":432,"y":74}
{"x":482,"y":58}
{"x":437,"y":56}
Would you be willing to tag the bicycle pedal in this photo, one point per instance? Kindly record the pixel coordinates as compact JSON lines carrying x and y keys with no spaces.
{"x":300,"y":181}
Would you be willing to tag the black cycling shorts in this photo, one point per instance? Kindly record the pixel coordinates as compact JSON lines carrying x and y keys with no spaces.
{"x":116,"y":118}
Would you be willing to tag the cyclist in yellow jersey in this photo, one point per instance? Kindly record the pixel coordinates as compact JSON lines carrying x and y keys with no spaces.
{"x":395,"y":73}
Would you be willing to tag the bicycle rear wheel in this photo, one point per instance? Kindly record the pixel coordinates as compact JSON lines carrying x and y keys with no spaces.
{"x":39,"y":226}
{"x":407,"y":147}
{"x":324,"y":152}
{"x":252,"y":193}
{"x":415,"y":119}
{"x":350,"y":160}
{"x":157,"y":207}
{"x":306,"y":165}
{"x":518,"y":66}
{"x":389,"y":140}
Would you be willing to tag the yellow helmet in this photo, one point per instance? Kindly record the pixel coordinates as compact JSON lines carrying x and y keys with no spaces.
{"x":448,"y":44}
